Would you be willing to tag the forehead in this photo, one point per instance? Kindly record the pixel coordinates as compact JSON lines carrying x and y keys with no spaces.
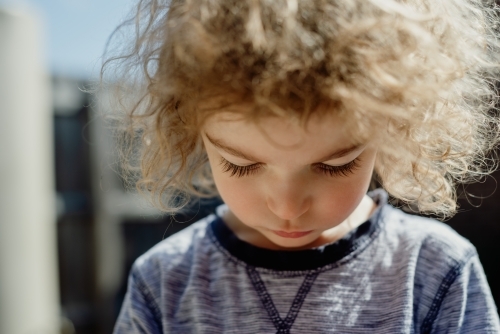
{"x":280,"y":138}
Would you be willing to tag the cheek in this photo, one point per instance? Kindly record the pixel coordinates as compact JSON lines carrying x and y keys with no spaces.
{"x":337,"y":202}
{"x":240,"y":194}
{"x":340,"y":197}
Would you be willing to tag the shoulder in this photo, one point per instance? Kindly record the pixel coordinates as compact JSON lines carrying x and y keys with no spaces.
{"x":159,"y":277}
{"x":174,"y":256}
{"x":427,"y":238}
{"x":444,"y":270}
{"x":432,"y":254}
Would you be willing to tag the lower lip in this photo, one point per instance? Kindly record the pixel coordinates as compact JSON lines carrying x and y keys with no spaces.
{"x":292,"y":235}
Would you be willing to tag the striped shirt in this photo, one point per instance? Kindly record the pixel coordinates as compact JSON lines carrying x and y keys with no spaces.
{"x":395,"y":273}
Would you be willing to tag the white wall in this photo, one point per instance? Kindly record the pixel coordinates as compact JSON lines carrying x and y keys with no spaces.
{"x":29,"y":300}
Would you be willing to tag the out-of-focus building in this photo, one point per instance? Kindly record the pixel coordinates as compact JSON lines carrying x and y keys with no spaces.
{"x":102,"y":226}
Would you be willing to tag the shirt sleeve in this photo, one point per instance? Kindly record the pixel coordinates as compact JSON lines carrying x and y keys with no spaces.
{"x":464,"y":303}
{"x":140,"y":313}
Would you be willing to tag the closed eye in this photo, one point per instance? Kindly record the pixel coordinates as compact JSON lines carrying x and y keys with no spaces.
{"x":343,"y":170}
{"x":240,"y":171}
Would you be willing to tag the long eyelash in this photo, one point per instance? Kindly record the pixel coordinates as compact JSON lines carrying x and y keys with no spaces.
{"x":343,"y":170}
{"x":239,"y":171}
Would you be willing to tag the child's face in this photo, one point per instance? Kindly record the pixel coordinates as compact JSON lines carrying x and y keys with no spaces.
{"x":292,"y":188}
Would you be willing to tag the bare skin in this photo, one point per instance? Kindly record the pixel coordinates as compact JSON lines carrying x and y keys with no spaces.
{"x":289,"y":187}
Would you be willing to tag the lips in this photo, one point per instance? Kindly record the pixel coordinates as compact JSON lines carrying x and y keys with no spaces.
{"x":292,"y":235}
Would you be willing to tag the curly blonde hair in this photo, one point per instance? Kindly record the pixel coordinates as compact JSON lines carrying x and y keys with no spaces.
{"x":417,"y":76}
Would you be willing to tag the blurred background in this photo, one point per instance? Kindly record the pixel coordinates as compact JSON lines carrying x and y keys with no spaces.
{"x":69,"y":231}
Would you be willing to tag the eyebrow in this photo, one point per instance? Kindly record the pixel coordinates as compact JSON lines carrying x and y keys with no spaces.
{"x":220,"y":144}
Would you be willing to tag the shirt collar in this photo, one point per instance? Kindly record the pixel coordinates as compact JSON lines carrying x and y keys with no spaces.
{"x":308,"y":259}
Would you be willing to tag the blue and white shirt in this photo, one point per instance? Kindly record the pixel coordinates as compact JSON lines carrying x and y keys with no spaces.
{"x":395,"y":273}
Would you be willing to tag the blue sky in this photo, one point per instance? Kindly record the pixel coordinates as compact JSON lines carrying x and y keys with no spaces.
{"x":76,"y":31}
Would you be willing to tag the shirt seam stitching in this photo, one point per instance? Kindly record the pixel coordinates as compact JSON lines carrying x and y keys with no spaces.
{"x":148,"y":297}
{"x":444,"y":287}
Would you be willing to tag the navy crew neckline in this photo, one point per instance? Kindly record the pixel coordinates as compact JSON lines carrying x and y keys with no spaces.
{"x":307,"y":259}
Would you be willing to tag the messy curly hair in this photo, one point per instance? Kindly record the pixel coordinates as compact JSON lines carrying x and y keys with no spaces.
{"x":416,"y":76}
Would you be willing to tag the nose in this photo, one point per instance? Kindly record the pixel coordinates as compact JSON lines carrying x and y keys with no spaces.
{"x":288,"y":202}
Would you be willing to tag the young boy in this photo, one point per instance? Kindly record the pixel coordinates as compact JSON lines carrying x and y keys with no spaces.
{"x":286,"y":110}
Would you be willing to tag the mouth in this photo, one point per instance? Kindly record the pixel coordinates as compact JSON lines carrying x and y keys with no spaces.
{"x":292,"y":235}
